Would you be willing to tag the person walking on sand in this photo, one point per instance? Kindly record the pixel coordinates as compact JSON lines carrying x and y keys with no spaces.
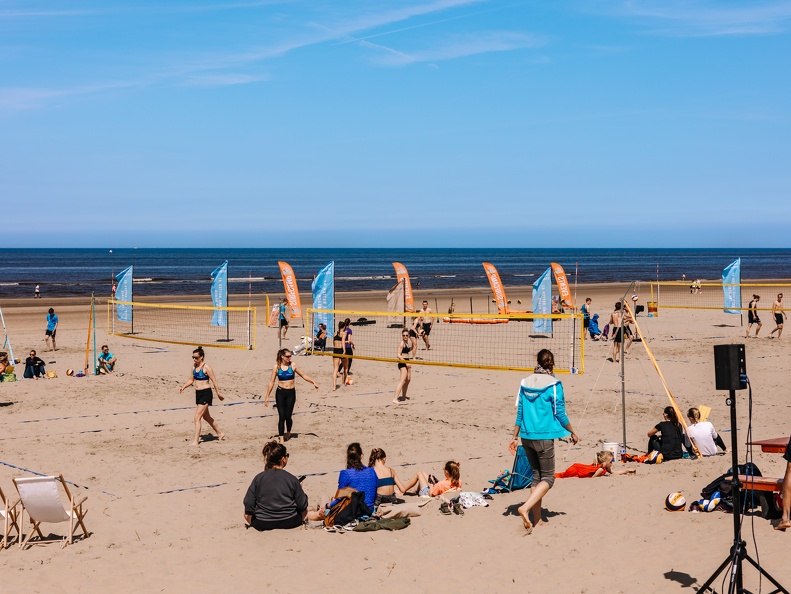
{"x":284,"y":372}
{"x":423,"y":324}
{"x":37,"y":292}
{"x":337,"y":361}
{"x":283,"y":320}
{"x":779,"y":315}
{"x":404,"y":368}
{"x":617,"y":335}
{"x":202,"y":374}
{"x":752,"y":316}
{"x":540,"y":419}
{"x":52,"y":329}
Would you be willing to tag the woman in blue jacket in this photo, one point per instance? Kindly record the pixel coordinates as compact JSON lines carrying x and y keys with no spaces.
{"x":540,"y":419}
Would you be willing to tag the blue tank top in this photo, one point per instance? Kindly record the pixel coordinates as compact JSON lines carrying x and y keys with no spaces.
{"x":286,"y":375}
{"x":198,"y":374}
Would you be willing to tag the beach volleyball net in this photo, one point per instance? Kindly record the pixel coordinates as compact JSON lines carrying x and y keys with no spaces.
{"x":480,"y":341}
{"x":690,"y":295}
{"x":233,"y":327}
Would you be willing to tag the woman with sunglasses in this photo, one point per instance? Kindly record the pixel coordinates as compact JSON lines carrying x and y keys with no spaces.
{"x":286,"y":395}
{"x":202,"y":375}
{"x":404,"y":369}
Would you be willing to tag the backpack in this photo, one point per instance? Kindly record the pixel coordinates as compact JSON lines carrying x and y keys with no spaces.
{"x":349,"y":506}
{"x":722,"y":484}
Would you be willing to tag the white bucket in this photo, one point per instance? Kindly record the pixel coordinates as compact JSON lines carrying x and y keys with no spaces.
{"x":613,"y":447}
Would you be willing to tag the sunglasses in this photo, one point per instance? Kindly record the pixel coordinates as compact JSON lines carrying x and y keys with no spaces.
{"x":196,"y":357}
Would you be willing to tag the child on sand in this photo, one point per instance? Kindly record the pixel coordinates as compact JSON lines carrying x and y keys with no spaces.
{"x":429,"y":486}
{"x":602,"y":466}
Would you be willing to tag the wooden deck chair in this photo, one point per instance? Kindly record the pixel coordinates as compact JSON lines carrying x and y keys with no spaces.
{"x":41,"y":500}
{"x":8,"y":513}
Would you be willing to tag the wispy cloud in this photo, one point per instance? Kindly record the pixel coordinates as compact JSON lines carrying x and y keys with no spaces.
{"x":705,"y":18}
{"x":222,"y":80}
{"x":451,"y":49}
{"x":159,"y":8}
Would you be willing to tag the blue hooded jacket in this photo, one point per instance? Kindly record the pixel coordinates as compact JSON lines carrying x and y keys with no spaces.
{"x":541,"y":412}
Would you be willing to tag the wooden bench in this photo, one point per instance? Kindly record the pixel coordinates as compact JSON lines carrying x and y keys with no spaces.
{"x":770,"y":503}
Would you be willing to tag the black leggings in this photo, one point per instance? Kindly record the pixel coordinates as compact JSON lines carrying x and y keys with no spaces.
{"x":285,"y":399}
{"x":292,"y":522}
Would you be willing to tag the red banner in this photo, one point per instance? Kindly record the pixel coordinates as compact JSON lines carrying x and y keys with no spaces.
{"x":290,"y":285}
{"x":497,"y":287}
{"x":402,"y":274}
{"x":563,"y":285}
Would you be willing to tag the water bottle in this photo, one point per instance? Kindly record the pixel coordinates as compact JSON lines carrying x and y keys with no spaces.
{"x":623,"y":451}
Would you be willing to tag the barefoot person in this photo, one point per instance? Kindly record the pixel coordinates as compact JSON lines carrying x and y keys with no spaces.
{"x":540,"y":419}
{"x":785,"y":520}
{"x":779,"y":315}
{"x":423,"y":323}
{"x":202,"y":374}
{"x":343,"y":363}
{"x":286,"y":395}
{"x":752,"y":316}
{"x":404,"y":368}
{"x":52,"y":329}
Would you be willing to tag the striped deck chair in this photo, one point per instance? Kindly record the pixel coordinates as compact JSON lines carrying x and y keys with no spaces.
{"x":42,"y":502}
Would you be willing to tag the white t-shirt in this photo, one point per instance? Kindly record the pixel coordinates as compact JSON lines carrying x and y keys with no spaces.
{"x":704,"y":433}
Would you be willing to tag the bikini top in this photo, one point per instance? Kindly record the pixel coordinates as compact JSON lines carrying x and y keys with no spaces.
{"x":406,"y":349}
{"x":199,"y":374}
{"x":337,"y":337}
{"x":285,"y":375}
{"x":387,"y":481}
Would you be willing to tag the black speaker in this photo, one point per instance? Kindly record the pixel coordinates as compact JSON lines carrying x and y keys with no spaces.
{"x":729,"y":366}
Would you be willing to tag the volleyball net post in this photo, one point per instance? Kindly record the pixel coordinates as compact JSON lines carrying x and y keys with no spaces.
{"x":507,"y":342}
{"x":186,"y":324}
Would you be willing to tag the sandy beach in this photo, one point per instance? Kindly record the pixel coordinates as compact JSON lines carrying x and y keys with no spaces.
{"x":166,"y":517}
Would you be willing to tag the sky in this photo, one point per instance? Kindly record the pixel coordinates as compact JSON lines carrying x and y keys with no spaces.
{"x":403,"y":123}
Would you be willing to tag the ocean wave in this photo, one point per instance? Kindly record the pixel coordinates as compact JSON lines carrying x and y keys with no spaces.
{"x":257,"y":279}
{"x":9,"y":284}
{"x":357,"y":278}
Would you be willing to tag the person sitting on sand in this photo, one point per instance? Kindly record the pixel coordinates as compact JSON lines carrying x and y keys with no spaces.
{"x":275,"y":499}
{"x":667,"y":437}
{"x":34,"y":366}
{"x":5,"y":364}
{"x":703,"y":433}
{"x":593,"y":327}
{"x":602,"y":467}
{"x":320,"y":342}
{"x":106,"y":360}
{"x":357,"y":475}
{"x":429,"y":486}
{"x":386,"y":478}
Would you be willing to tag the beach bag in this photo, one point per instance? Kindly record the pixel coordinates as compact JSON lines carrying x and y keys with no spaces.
{"x":350,"y":505}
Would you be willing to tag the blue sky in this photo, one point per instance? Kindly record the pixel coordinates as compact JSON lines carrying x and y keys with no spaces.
{"x":395,"y":123}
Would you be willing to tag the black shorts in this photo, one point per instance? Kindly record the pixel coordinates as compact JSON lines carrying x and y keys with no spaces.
{"x":337,"y":351}
{"x":402,"y":365}
{"x":752,"y":318}
{"x":616,"y":337}
{"x":585,"y":323}
{"x":787,"y":455}
{"x":426,"y":329}
{"x":412,"y":333}
{"x":51,"y":333}
{"x":779,"y":319}
{"x":283,"y":322}
{"x":203,"y":396}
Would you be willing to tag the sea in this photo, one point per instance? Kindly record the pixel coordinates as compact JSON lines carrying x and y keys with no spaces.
{"x":80,"y":272}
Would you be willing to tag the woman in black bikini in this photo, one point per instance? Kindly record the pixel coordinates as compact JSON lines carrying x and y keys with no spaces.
{"x":202,"y":374}
{"x":386,"y":478}
{"x":337,"y":349}
{"x":286,"y":395}
{"x":404,"y":369}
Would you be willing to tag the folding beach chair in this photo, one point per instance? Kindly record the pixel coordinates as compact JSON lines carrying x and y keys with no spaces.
{"x":42,"y":501}
{"x":519,"y":477}
{"x":8,"y":513}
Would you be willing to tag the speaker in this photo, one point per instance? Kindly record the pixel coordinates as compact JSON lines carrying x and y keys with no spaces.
{"x":729,"y":366}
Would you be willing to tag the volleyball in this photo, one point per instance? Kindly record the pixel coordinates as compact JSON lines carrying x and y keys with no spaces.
{"x":712,"y":503}
{"x":349,"y":382}
{"x":675,"y":502}
{"x":654,"y":458}
{"x":69,"y":372}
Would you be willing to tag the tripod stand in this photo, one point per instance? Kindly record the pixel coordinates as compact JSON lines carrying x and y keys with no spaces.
{"x":738,"y":552}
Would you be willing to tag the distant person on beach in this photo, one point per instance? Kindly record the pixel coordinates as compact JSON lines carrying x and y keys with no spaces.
{"x":320,"y":342}
{"x":703,"y":433}
{"x":348,"y":344}
{"x":667,"y":437}
{"x":34,"y":366}
{"x":282,"y":319}
{"x":540,"y":419}
{"x":602,"y":467}
{"x":106,"y":360}
{"x":779,"y":315}
{"x":202,"y":375}
{"x":423,"y":324}
{"x":785,"y":520}
{"x":586,"y":315}
{"x":617,"y":334}
{"x":275,"y":499}
{"x":404,"y":368}
{"x":37,"y":292}
{"x":339,"y":363}
{"x":5,"y":364}
{"x":113,"y":290}
{"x":52,"y":329}
{"x":752,"y":316}
{"x":593,"y":328}
{"x":284,"y":372}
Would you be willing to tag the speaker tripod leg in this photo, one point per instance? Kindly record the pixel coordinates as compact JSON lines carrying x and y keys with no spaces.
{"x":764,"y":573}
{"x":717,"y":572}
